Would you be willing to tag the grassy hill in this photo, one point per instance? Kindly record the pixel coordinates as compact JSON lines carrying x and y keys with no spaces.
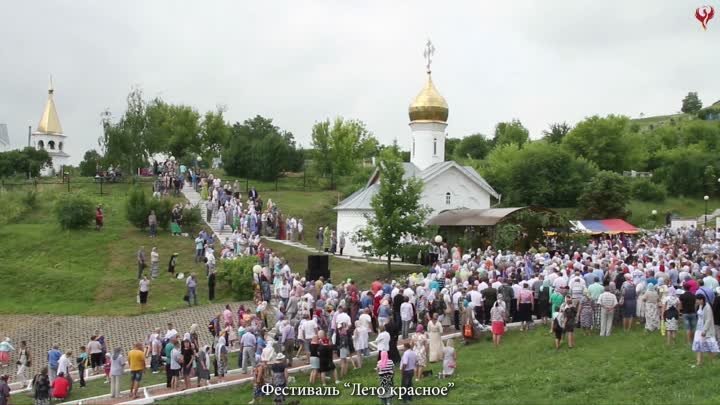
{"x":47,"y":270}
{"x":646,"y":123}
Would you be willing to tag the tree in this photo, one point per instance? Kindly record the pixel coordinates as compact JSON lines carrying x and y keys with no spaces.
{"x":682,"y":169}
{"x":173,"y":129}
{"x":396,"y":210}
{"x":260,"y":150}
{"x":691,"y":104}
{"x":28,"y":161}
{"x":136,"y":207}
{"x":556,"y":132}
{"x":511,"y":132}
{"x":605,"y":196}
{"x":602,"y":141}
{"x":475,"y":146}
{"x":91,"y":161}
{"x":339,"y":146}
{"x":214,"y":133}
{"x":711,"y":180}
{"x":541,"y":173}
{"x":124,"y":142}
{"x":450,"y":145}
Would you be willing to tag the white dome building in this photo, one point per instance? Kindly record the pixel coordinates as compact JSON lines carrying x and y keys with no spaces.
{"x":49,"y":136}
{"x":447,"y":185}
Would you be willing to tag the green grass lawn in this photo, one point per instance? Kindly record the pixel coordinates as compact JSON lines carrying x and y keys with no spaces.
{"x":84,"y":272}
{"x":632,"y":368}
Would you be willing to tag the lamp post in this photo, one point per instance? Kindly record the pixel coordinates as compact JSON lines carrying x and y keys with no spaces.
{"x":197,"y":172}
{"x":706,"y":198}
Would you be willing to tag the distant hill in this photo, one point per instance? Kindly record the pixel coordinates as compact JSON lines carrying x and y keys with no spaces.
{"x":648,"y":123}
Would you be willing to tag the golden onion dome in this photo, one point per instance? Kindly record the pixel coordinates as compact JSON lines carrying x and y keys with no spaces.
{"x":429,"y":105}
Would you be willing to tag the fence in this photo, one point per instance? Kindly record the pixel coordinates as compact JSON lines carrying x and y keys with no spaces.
{"x":69,"y":184}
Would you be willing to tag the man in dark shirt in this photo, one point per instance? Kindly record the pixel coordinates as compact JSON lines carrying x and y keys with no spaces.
{"x":490,"y":296}
{"x":397,"y":302}
{"x":687,"y":308}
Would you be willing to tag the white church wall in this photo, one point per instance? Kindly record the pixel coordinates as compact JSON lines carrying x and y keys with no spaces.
{"x":349,"y":222}
{"x":464,"y":192}
{"x":428,"y":143}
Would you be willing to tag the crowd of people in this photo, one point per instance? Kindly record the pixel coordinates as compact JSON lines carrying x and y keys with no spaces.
{"x":662,"y":280}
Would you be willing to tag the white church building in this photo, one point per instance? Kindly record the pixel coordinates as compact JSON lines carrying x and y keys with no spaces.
{"x":49,"y":136}
{"x":447,"y":184}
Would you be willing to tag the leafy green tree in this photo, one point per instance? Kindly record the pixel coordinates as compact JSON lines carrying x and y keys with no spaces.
{"x":28,"y":161}
{"x":645,"y":190}
{"x":691,"y":104}
{"x":541,"y":173}
{"x":710,"y":178}
{"x":396,"y":210}
{"x":682,"y":169}
{"x":91,"y":160}
{"x":136,"y":207}
{"x":260,"y":150}
{"x":173,"y":129}
{"x":603,"y":141}
{"x":511,"y":132}
{"x":450,"y":145}
{"x":340,"y":145}
{"x":556,"y":132}
{"x":124,"y":142}
{"x":475,"y":146}
{"x":214,"y":133}
{"x":605,"y":196}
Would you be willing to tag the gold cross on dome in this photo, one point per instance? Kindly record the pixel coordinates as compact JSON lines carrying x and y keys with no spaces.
{"x":428,"y":54}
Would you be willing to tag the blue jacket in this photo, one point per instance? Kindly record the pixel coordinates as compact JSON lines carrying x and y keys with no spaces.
{"x":53,"y":358}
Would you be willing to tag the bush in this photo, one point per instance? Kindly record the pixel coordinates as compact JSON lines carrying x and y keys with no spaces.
{"x":413,"y":253}
{"x":74,"y":211}
{"x":136,"y":207}
{"x":30,"y":200}
{"x":192,"y":219}
{"x":163,"y":210}
{"x":238,"y":273}
{"x":646,"y":190}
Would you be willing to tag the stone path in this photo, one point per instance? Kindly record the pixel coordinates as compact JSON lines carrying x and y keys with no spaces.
{"x":194,"y":198}
{"x":70,"y":332}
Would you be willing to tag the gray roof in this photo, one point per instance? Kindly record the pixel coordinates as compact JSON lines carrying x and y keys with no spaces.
{"x":360,"y":200}
{"x":472,"y":217}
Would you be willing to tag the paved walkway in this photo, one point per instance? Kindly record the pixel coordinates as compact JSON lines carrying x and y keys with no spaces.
{"x":70,"y":332}
{"x":194,"y":198}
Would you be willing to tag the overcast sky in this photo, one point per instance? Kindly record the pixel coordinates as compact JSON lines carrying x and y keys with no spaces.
{"x":303,"y":61}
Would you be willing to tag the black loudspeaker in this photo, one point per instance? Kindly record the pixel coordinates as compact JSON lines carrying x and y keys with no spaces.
{"x":318,"y":266}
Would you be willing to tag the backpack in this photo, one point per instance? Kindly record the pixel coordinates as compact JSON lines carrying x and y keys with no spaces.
{"x":211,"y":327}
{"x":468,"y":331}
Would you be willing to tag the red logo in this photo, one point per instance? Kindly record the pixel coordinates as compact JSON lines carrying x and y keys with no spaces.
{"x":704,"y":14}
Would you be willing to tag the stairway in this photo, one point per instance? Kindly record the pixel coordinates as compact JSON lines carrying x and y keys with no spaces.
{"x":194,"y":198}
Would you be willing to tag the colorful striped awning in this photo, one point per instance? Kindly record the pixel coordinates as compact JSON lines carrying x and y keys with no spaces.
{"x":609,"y":226}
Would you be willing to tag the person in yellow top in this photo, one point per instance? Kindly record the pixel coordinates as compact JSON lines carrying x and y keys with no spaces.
{"x":136,"y":359}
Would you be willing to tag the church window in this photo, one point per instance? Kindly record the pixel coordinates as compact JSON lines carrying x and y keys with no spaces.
{"x":51,"y":145}
{"x":41,"y":145}
{"x":434,"y":146}
{"x":60,"y":146}
{"x":448,"y":197}
{"x":413,"y":153}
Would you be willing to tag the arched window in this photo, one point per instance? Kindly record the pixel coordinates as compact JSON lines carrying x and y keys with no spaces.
{"x":413,"y":153}
{"x":60,"y":146}
{"x":51,"y":145}
{"x":41,"y":145}
{"x":448,"y":198}
{"x":434,"y":146}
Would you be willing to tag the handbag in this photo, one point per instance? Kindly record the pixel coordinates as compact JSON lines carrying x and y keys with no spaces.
{"x":137,"y":298}
{"x":186,"y":298}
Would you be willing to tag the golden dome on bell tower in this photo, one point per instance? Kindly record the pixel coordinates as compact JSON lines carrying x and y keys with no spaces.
{"x":429,"y":105}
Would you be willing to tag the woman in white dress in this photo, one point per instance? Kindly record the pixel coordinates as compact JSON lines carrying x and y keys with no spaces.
{"x":435,"y":332}
{"x":705,"y":340}
{"x":652,"y":313}
{"x":449,"y":359}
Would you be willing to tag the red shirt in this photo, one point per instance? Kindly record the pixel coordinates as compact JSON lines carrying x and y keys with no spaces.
{"x":60,"y":387}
